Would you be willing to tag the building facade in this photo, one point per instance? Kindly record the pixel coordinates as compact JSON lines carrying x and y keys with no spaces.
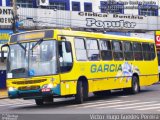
{"x":135,"y":7}
{"x":99,"y":15}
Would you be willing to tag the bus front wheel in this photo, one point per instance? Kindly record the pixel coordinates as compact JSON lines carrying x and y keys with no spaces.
{"x":48,"y":99}
{"x":39,"y":101}
{"x":79,"y":96}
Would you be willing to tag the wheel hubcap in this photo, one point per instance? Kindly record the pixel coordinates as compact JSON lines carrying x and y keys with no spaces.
{"x":136,"y":86}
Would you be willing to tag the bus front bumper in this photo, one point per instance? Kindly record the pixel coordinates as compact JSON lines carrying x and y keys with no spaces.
{"x":33,"y":94}
{"x":29,"y":94}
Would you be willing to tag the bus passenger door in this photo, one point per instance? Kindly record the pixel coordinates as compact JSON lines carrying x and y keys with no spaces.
{"x":65,"y":65}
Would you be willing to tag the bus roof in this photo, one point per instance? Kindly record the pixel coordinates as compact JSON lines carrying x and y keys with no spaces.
{"x":91,"y":35}
{"x":101,"y":36}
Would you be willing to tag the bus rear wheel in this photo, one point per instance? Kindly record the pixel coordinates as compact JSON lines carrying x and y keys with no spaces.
{"x":39,"y":101}
{"x":135,"y":88}
{"x":135,"y":85}
{"x":79,"y":98}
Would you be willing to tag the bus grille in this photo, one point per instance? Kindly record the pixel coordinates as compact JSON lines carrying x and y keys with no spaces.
{"x":29,"y":88}
{"x":28,"y":82}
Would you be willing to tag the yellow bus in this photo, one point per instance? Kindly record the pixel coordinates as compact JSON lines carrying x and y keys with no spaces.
{"x":45,"y":64}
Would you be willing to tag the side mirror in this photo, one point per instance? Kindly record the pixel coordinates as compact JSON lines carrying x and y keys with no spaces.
{"x":68,"y":46}
{"x":2,"y":56}
{"x":2,"y":52}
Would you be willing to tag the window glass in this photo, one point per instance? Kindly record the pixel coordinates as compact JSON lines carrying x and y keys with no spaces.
{"x":152,"y":51}
{"x":105,"y":47}
{"x":117,"y":50}
{"x":43,"y":56}
{"x":158,"y":55}
{"x":112,"y":7}
{"x":128,"y":52}
{"x":65,"y":58}
{"x":91,"y":44}
{"x":149,"y":10}
{"x":146,"y":51}
{"x":0,"y":2}
{"x":137,"y":51}
{"x":81,"y":53}
{"x":58,"y":5}
{"x":75,"y":6}
{"x":92,"y":49}
{"x":88,"y":7}
{"x":25,"y":3}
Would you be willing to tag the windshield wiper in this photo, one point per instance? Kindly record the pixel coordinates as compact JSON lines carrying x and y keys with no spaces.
{"x":18,"y":70}
{"x":38,"y":43}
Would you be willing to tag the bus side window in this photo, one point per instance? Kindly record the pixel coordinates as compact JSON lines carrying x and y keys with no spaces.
{"x":65,"y":58}
{"x":106,"y":50}
{"x":81,"y":53}
{"x":92,"y":50}
{"x":146,"y":51}
{"x":152,"y":51}
{"x":137,"y":51}
{"x":117,"y":50}
{"x":128,"y":51}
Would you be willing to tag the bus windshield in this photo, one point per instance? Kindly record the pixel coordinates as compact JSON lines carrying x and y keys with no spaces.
{"x":32,"y":59}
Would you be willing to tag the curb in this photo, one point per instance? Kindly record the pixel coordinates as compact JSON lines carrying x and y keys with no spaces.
{"x":3,"y":94}
{"x":3,"y":98}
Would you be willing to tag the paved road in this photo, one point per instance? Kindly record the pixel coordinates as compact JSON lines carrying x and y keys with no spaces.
{"x":147,"y":102}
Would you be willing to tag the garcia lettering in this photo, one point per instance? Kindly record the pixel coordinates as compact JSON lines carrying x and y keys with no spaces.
{"x":105,"y":68}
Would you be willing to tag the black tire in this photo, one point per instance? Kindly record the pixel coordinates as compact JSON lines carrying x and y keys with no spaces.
{"x":39,"y":101}
{"x":135,"y":85}
{"x":48,"y":99}
{"x":79,"y":98}
{"x":135,"y":88}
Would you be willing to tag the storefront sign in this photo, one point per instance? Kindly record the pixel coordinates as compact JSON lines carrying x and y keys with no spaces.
{"x":111,"y":21}
{"x":108,"y":24}
{"x":5,"y":16}
{"x":92,"y":14}
{"x":157,"y":37}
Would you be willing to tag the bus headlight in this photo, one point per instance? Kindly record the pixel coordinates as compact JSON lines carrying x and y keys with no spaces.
{"x":47,"y":87}
{"x":11,"y":89}
{"x":50,"y":85}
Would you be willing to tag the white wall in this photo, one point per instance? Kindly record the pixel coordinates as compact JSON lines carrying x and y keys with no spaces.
{"x":50,"y":18}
